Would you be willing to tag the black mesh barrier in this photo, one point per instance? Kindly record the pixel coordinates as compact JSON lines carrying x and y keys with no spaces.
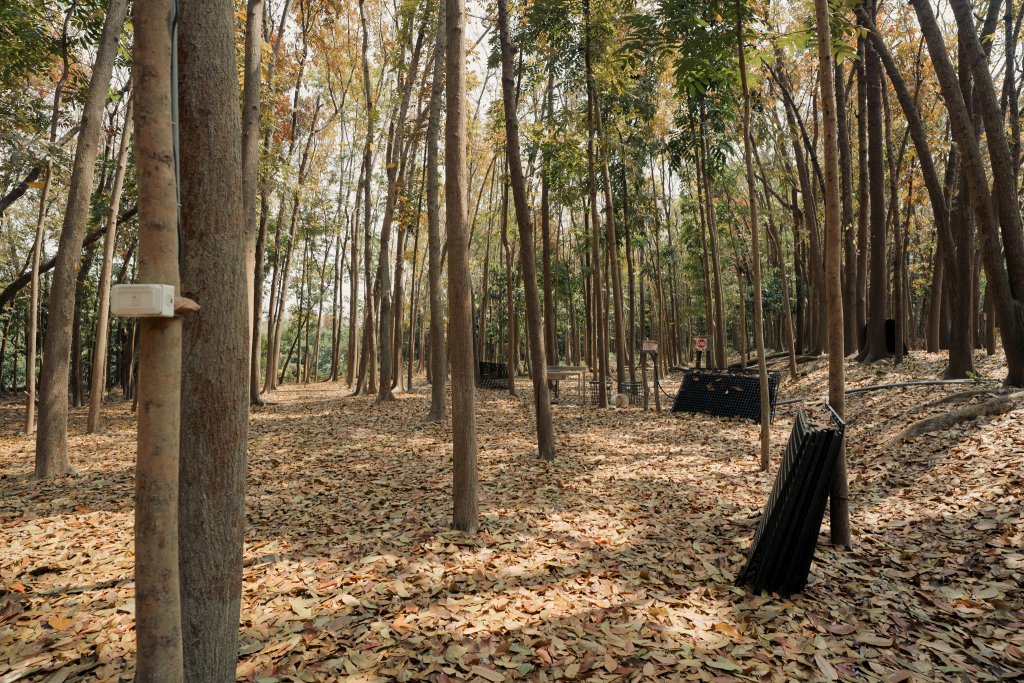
{"x":634,"y":390}
{"x":594,"y":388}
{"x":493,"y":375}
{"x":727,"y":393}
{"x":780,"y":557}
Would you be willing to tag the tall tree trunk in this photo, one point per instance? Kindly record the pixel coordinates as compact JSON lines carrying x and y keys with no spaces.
{"x":839,"y":511}
{"x":875,"y":347}
{"x":550,"y":334}
{"x":99,"y":367}
{"x":527,"y":257}
{"x":465,"y":516}
{"x":953,"y":230}
{"x":157,"y":598}
{"x":1009,"y":308}
{"x":438,"y":353}
{"x":250,"y":182}
{"x":77,"y":383}
{"x":510,"y":336}
{"x":387,"y":318}
{"x":215,"y":371}
{"x":353,"y":281}
{"x":762,"y":365}
{"x":863,"y":194}
{"x":846,"y":194}
{"x":52,"y":435}
{"x":611,"y":245}
{"x":630,"y":274}
{"x":32,"y":336}
{"x":599,"y":318}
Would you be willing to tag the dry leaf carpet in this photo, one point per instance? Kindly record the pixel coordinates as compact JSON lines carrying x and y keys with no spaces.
{"x":614,"y":563}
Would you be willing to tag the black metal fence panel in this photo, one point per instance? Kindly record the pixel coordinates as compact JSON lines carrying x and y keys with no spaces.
{"x":726,"y":393}
{"x":780,"y":556}
{"x":493,"y":375}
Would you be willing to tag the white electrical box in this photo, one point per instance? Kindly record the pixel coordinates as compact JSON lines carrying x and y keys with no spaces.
{"x":142,"y":301}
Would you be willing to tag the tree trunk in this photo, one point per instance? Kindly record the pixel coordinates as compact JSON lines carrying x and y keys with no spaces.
{"x":250,"y":182}
{"x":510,"y":336}
{"x":599,"y":319}
{"x":875,"y":347}
{"x":215,"y":371}
{"x":32,"y":336}
{"x":527,"y":259}
{"x":77,"y":383}
{"x":611,"y":246}
{"x":550,"y":334}
{"x":465,"y":516}
{"x":438,"y":354}
{"x":721,"y":357}
{"x":157,"y":598}
{"x":863,"y":193}
{"x":52,"y":436}
{"x":99,"y":367}
{"x":849,"y":249}
{"x":839,"y":511}
{"x":386,"y":318}
{"x":762,"y":365}
{"x":1009,"y":311}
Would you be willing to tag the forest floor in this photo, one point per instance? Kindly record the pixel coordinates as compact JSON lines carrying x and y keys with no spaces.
{"x":615,"y":562}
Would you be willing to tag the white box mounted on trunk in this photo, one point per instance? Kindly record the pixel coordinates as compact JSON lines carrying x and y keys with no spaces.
{"x":142,"y":301}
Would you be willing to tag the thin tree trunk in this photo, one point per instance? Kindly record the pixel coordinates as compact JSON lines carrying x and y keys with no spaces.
{"x":863,"y":195}
{"x":438,"y":353}
{"x":99,"y":368}
{"x":762,"y":365}
{"x":510,"y":337}
{"x":250,"y":183}
{"x":600,"y":319}
{"x":52,"y":435}
{"x":31,"y":338}
{"x":839,"y":512}
{"x":527,"y":258}
{"x":875,"y":347}
{"x":465,"y":516}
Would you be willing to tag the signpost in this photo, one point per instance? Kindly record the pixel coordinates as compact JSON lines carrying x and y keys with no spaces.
{"x":701,"y":345}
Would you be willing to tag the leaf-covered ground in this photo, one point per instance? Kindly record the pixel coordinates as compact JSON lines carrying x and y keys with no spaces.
{"x":616,"y":562}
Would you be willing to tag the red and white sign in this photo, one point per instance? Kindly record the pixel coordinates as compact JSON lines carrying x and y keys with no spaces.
{"x":650,"y":346}
{"x":701,"y":343}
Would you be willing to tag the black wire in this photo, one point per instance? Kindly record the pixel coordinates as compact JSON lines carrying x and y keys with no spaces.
{"x":175,"y":138}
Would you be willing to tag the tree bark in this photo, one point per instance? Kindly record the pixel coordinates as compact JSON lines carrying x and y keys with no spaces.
{"x":37,"y":245}
{"x":527,"y":258}
{"x":250,"y":181}
{"x":157,"y":597}
{"x":839,"y":511}
{"x":438,"y":354}
{"x":99,"y":367}
{"x":599,"y":318}
{"x":863,"y":194}
{"x":465,"y":515}
{"x":52,"y":436}
{"x":1009,"y":308}
{"x":875,"y":345}
{"x":762,"y":365}
{"x":215,"y":370}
